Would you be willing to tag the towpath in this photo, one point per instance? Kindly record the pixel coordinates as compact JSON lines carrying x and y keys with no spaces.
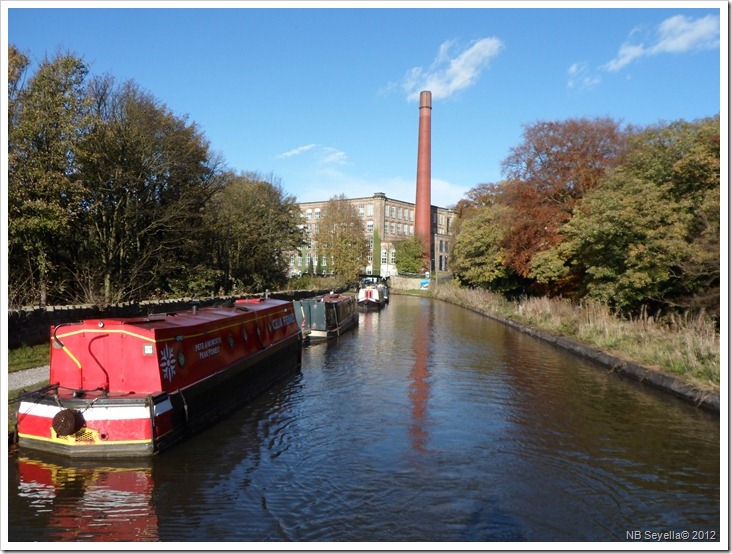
{"x":27,"y":378}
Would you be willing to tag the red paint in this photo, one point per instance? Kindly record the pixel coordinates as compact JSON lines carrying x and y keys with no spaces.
{"x":423,"y":203}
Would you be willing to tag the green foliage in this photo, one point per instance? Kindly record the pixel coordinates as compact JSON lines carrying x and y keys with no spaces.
{"x":478,"y":257}
{"x":628,"y":251}
{"x":650,"y":232}
{"x":113,"y":197}
{"x":149,"y":174}
{"x":251,"y":224}
{"x":44,"y":188}
{"x":410,"y":255}
{"x":627,"y":218}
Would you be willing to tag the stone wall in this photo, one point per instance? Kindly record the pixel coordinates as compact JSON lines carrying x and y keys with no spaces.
{"x":31,"y":325}
{"x":399,"y":282}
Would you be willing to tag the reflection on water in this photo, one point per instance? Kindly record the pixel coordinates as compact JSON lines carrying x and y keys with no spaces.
{"x":425,"y":423}
{"x":93,"y":503}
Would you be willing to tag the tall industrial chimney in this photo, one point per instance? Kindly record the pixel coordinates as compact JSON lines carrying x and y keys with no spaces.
{"x":423,"y":203}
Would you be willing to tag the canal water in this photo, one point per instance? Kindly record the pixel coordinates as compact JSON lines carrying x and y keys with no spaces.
{"x":427,"y":423}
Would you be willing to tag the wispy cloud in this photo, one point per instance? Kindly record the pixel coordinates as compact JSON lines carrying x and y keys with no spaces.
{"x":675,"y":35}
{"x":326,"y":155}
{"x":453,"y":69}
{"x":296,"y":151}
{"x":580,"y":77}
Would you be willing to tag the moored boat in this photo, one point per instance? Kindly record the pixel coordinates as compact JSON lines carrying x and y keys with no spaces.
{"x":135,"y":386}
{"x":373,"y":294}
{"x":326,"y":316}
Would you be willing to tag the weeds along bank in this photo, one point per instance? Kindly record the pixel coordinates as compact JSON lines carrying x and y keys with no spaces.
{"x":680,"y":355}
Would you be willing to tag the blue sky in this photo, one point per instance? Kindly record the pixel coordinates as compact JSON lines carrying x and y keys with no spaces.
{"x":325,"y":98}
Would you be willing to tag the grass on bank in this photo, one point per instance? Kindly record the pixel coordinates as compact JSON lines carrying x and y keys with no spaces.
{"x":686,"y":346}
{"x":27,"y":357}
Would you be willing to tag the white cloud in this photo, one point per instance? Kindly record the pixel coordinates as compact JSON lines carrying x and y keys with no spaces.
{"x":675,"y":35}
{"x":325,"y":155}
{"x":296,"y":151}
{"x":328,"y":155}
{"x":452,"y":70}
{"x":580,"y":77}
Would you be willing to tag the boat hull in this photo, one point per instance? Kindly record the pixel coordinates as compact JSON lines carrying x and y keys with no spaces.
{"x":143,"y":425}
{"x":326,"y":317}
{"x":136,"y":386}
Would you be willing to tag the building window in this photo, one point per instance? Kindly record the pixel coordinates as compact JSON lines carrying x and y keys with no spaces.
{"x":369,"y":210}
{"x":360,"y":210}
{"x":393,"y":256}
{"x":399,"y":228}
{"x":309,"y":214}
{"x":371,"y":243}
{"x":386,"y":211}
{"x":317,"y":213}
{"x":399,"y":213}
{"x":392,"y":210}
{"x":393,"y":228}
{"x":383,"y":256}
{"x":370,"y":226}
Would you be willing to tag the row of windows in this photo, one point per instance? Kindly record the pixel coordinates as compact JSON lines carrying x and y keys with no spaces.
{"x":389,"y":228}
{"x":297,"y":259}
{"x":367,"y":210}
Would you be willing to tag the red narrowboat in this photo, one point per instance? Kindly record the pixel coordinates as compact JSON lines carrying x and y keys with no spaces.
{"x":122,"y":387}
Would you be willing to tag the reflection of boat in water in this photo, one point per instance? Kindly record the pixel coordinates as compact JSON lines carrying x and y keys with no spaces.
{"x":93,"y":503}
{"x":134,"y":386}
{"x":327,"y":316}
{"x":373,"y":293}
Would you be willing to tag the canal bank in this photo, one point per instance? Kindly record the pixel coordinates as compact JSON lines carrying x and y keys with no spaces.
{"x":703,"y":398}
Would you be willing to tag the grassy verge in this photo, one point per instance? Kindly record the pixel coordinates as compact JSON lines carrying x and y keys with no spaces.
{"x":688,"y":347}
{"x":27,"y":357}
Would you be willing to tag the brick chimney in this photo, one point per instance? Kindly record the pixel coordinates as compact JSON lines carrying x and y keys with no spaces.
{"x":423,"y":203}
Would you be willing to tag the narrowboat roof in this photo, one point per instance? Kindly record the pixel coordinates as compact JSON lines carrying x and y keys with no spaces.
{"x":188,"y":318}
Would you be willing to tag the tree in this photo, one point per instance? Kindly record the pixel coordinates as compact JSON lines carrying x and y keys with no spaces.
{"x":48,"y":119}
{"x":410,"y":255}
{"x":650,"y":232}
{"x":557,"y":163}
{"x":149,"y":175}
{"x":252,"y":223}
{"x":478,"y":257}
{"x":341,"y":238}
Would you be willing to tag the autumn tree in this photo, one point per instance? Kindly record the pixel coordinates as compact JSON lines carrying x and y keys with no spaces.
{"x":341,"y":238}
{"x":650,"y":233}
{"x":556,"y":164}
